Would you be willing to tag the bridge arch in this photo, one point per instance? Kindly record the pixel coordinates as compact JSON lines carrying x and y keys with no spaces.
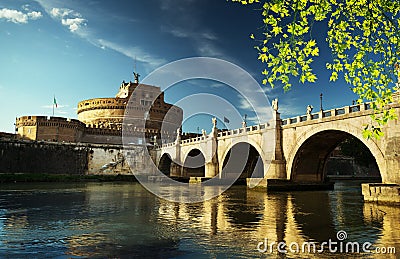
{"x":164,"y":165}
{"x":246,"y":156}
{"x":194,"y":163}
{"x":313,"y":147}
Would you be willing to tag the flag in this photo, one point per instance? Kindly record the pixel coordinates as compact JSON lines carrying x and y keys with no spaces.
{"x":226,"y":120}
{"x":55,"y":102}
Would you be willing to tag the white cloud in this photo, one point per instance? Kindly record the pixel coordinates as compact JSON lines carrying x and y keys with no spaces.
{"x":16,"y":16}
{"x":208,"y":49}
{"x":70,"y":18}
{"x":204,"y":42}
{"x":178,"y":33}
{"x":184,"y":33}
{"x":74,"y":23}
{"x":35,"y":15}
{"x":26,"y":7}
{"x":77,"y":24}
{"x":63,"y":12}
{"x":244,"y":104}
{"x":13,"y":16}
{"x":132,"y":52}
{"x":209,"y":36}
{"x":59,"y":106}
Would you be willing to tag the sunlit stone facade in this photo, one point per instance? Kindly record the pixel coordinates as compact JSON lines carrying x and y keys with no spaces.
{"x":100,"y":120}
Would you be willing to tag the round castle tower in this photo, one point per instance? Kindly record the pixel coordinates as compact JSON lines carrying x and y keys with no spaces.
{"x":100,"y":119}
{"x":108,"y":113}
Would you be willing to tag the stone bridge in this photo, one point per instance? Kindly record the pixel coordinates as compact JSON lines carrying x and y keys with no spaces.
{"x":295,"y":149}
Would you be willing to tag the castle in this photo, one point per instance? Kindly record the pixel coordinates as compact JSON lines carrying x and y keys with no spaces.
{"x":100,"y":120}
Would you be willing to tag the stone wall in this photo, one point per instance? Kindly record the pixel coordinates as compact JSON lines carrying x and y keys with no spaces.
{"x":107,"y":159}
{"x":42,"y":157}
{"x":23,"y":156}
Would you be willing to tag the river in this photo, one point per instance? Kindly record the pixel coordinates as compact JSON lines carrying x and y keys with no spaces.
{"x":123,"y":220}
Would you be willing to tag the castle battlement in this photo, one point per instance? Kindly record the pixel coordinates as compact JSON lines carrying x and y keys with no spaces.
{"x":100,"y":119}
{"x":49,"y":121}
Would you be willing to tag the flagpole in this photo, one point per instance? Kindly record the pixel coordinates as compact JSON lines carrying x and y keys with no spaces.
{"x":54,"y":97}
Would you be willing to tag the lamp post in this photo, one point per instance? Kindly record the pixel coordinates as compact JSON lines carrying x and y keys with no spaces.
{"x":320,"y":98}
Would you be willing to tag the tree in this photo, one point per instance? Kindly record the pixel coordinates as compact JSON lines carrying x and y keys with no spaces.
{"x":363,"y":36}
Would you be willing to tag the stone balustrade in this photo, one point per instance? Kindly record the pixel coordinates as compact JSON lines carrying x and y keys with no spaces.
{"x":223,"y":134}
{"x":328,"y":113}
{"x":289,"y":121}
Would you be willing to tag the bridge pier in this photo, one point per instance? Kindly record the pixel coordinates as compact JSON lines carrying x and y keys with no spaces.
{"x":211,"y":169}
{"x":389,"y":190}
{"x":276,"y":168}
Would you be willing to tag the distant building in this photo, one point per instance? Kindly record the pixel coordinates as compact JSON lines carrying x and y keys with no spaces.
{"x":100,"y":120}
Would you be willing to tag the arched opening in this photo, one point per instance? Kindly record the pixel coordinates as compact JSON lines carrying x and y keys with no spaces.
{"x":194,"y":165}
{"x":244,"y":160}
{"x":165,"y":164}
{"x":333,"y":152}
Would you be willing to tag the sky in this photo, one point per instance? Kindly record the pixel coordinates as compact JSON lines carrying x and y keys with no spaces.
{"x":75,"y":50}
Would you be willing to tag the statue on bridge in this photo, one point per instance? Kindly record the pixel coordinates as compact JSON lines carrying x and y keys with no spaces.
{"x":178,"y":134}
{"x":214,"y":121}
{"x":275,"y":104}
{"x":309,"y":109}
{"x":203,"y":132}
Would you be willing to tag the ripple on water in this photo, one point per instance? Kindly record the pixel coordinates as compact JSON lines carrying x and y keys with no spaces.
{"x":124,"y":220}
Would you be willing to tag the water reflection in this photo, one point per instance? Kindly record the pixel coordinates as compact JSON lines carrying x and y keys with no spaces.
{"x":125,"y":220}
{"x":387,"y":219}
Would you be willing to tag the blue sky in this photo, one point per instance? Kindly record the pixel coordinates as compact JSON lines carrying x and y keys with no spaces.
{"x":79,"y":50}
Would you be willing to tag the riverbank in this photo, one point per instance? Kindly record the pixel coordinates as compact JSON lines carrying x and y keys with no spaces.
{"x":33,"y":178}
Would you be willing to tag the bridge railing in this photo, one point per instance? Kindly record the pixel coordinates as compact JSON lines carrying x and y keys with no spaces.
{"x":222,"y":134}
{"x":314,"y":116}
{"x":244,"y":130}
{"x":228,"y":133}
{"x":196,"y":139}
{"x":168,"y":145}
{"x":328,"y":113}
